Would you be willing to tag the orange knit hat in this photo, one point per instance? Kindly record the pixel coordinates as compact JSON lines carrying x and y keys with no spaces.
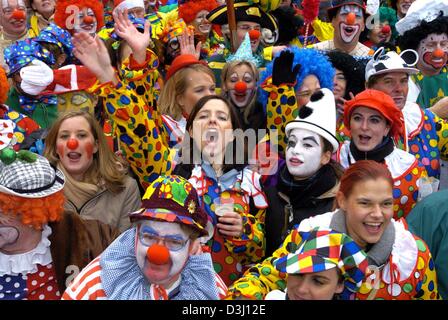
{"x":381,"y":102}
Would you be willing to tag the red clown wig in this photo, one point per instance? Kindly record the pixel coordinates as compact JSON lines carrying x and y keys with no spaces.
{"x":4,"y":86}
{"x":62,"y":15}
{"x":34,"y":212}
{"x":190,"y":8}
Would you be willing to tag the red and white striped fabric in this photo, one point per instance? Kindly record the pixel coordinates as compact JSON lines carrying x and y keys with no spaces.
{"x":87,"y":285}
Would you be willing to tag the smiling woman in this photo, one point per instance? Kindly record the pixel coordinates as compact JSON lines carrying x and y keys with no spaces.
{"x":97,"y":186}
{"x":401,"y":266}
{"x":375,"y":124}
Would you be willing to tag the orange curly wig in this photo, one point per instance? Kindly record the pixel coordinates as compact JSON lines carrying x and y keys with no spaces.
{"x":34,"y":212}
{"x":4,"y":86}
{"x":190,"y":8}
{"x":61,"y":16}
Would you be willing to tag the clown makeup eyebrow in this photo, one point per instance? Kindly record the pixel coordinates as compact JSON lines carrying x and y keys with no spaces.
{"x":312,"y":139}
{"x":351,"y":8}
{"x":149,"y":230}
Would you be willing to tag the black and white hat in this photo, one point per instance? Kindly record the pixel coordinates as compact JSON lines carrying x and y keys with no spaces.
{"x":30,"y":179}
{"x":319,"y":116}
{"x":383,"y":62}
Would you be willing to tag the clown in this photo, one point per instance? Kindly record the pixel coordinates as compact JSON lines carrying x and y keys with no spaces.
{"x":15,"y":127}
{"x":425,"y":30}
{"x":401,"y":6}
{"x":13,"y":17}
{"x":42,"y":109}
{"x":325,"y":264}
{"x":250,"y":18}
{"x":348,"y":20}
{"x":239,"y":85}
{"x":292,"y":77}
{"x":82,"y":15}
{"x":160,"y":258}
{"x":41,"y":244}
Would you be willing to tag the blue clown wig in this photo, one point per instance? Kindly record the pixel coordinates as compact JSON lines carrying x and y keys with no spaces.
{"x":311,"y":61}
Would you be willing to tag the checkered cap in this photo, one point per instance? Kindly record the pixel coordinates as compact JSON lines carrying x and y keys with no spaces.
{"x":324,"y":249}
{"x":36,"y":179}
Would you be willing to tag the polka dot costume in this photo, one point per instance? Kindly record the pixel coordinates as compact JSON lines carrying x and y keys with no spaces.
{"x":281,"y":109}
{"x":408,"y":272}
{"x":41,"y":285}
{"x":231,"y":255}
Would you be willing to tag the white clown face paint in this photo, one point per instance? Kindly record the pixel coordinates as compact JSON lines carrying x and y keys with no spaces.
{"x":433,"y":53}
{"x":303,"y":153}
{"x":147,"y":233}
{"x":86,"y":21}
{"x":349,"y":31}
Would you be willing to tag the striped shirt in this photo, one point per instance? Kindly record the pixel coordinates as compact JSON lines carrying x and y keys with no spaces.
{"x":87,"y":285}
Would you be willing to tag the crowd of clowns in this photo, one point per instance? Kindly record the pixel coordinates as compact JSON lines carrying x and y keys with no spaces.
{"x":128,"y":169}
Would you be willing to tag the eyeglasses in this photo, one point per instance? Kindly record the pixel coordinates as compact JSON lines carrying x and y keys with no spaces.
{"x":173,"y":244}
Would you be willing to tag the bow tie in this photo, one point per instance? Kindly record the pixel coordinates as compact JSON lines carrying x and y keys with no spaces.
{"x":29,"y":104}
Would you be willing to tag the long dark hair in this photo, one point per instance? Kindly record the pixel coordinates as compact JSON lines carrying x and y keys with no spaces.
{"x":189,"y":147}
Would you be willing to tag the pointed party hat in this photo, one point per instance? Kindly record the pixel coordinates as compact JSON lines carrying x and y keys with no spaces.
{"x":244,"y":52}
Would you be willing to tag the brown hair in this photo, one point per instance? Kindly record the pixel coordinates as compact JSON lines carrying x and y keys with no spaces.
{"x":34,"y":212}
{"x":176,"y":86}
{"x":106,"y":166}
{"x":363,"y":170}
{"x":189,"y":146}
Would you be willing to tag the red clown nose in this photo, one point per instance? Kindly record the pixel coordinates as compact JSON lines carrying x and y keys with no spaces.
{"x":385,"y":29}
{"x":240,"y":87}
{"x":158,"y":254}
{"x":18,"y":15}
{"x":438,"y":53}
{"x":351,"y":18}
{"x":72,"y":144}
{"x":87,"y":20}
{"x":254,"y":34}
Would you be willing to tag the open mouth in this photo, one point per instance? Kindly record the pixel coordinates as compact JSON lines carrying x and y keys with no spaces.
{"x":211,"y":135}
{"x":364,"y":139}
{"x":205,"y":28}
{"x":373,"y":227}
{"x":348,"y":32}
{"x":75,"y":156}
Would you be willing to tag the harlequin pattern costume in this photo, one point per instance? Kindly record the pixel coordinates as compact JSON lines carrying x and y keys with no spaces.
{"x":404,"y":256}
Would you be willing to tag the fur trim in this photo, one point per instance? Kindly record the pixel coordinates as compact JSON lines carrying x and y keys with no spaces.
{"x":61,"y":16}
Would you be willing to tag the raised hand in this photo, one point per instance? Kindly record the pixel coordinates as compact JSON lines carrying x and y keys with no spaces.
{"x":126,"y":30}
{"x":93,"y":54}
{"x":283,"y":71}
{"x":186,"y":43}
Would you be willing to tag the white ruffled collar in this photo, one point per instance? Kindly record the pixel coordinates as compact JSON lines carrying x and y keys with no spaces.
{"x":25,"y":263}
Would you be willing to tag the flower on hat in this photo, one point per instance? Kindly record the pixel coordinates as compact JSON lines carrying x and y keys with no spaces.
{"x":172,"y":199}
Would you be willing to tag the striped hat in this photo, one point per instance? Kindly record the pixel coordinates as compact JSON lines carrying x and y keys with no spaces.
{"x":324,"y":249}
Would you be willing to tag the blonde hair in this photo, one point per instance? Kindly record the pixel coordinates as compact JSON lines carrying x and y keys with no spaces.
{"x":226,"y":72}
{"x":176,"y":86}
{"x":106,"y":166}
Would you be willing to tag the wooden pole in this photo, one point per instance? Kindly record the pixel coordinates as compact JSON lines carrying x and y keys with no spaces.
{"x":232,"y":24}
